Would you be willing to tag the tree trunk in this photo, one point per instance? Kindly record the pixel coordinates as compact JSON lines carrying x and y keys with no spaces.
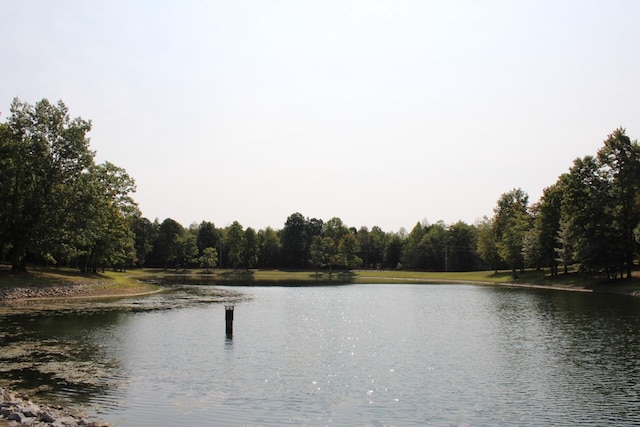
{"x":19,"y":259}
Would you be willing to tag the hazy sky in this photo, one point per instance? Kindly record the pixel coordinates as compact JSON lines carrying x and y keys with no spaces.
{"x":378,"y":112}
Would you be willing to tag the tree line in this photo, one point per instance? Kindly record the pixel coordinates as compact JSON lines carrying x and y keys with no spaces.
{"x":57,"y":206}
{"x":304,"y":243}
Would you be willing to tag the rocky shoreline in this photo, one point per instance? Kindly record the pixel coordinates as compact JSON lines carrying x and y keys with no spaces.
{"x":30,"y":292}
{"x":74,"y":290}
{"x":18,"y":410}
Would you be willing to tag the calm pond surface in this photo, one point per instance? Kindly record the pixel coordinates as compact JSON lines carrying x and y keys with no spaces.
{"x":365,"y":355}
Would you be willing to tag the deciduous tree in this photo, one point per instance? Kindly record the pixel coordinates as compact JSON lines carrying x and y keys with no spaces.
{"x":167,"y":242}
{"x":250,"y":248}
{"x":234,"y":243}
{"x":207,"y":236}
{"x":209,"y":258}
{"x":512,"y":221}
{"x":43,"y":151}
{"x":145,"y":233}
{"x":585,"y":208}
{"x":269,"y":248}
{"x":295,"y":250}
{"x":620,"y":166}
{"x":487,"y":244}
{"x":348,"y":252}
{"x":323,"y":252}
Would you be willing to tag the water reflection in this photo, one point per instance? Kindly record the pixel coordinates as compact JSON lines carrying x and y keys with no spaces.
{"x":580,"y":348}
{"x":363,"y":354}
{"x":70,"y":352}
{"x":59,"y":352}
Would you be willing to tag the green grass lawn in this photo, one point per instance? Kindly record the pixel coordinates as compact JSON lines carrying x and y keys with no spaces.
{"x":110,"y":282}
{"x":127,"y":281}
{"x":285,"y":277}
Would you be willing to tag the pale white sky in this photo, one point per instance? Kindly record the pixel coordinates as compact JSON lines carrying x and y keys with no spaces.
{"x":378,"y":112}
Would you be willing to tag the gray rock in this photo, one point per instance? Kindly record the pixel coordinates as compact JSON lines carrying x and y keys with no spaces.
{"x":20,"y":410}
{"x":48,"y":416}
{"x":30,"y":411}
{"x":30,"y":422}
{"x":16,"y":416}
{"x":64,"y":422}
{"x":8,"y":396}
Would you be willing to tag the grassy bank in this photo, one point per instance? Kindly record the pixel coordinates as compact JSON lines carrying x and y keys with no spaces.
{"x":141,"y":281}
{"x":530,"y":278}
{"x":70,"y":282}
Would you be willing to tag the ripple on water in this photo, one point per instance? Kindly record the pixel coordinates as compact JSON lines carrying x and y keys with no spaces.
{"x":349,"y":355}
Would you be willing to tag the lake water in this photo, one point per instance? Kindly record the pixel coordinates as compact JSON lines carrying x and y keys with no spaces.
{"x":362,"y":355}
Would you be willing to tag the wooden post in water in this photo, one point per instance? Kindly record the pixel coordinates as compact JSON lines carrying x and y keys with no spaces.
{"x":228,"y":317}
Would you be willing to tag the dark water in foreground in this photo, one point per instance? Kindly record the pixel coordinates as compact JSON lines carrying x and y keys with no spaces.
{"x":366,"y":355}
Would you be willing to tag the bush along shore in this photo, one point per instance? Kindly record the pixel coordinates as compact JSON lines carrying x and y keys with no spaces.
{"x":17,"y":409}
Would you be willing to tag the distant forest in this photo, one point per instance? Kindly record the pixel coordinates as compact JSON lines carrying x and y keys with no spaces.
{"x":58,"y":207}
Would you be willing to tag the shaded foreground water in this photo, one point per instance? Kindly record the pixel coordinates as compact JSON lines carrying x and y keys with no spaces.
{"x":346,"y":355}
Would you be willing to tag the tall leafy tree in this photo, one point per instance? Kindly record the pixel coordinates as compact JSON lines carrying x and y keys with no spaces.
{"x":348,"y":251}
{"x":377,"y":240}
{"x":461,"y":247}
{"x":335,"y":229}
{"x":546,"y":226}
{"x":234,"y":243}
{"x":393,"y":250}
{"x":8,"y":166}
{"x":269,"y":248}
{"x":434,"y":247}
{"x":207,"y":236}
{"x":509,"y":204}
{"x":43,"y":151}
{"x":250,"y":249}
{"x":531,"y":250}
{"x":295,"y":248}
{"x":365,"y":246}
{"x":620,"y":166}
{"x":186,"y":249}
{"x":564,"y":248}
{"x":585,"y":208}
{"x":208,"y":259}
{"x":511,"y":243}
{"x":145,"y":233}
{"x":413,"y":257}
{"x":487,"y":244}
{"x":313,"y":227}
{"x":168,"y":242}
{"x":511,"y":223}
{"x":323,"y":252}
{"x":101,"y":231}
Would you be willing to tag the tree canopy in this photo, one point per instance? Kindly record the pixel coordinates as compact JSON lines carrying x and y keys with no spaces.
{"x":55,"y":202}
{"x":58,"y":206}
